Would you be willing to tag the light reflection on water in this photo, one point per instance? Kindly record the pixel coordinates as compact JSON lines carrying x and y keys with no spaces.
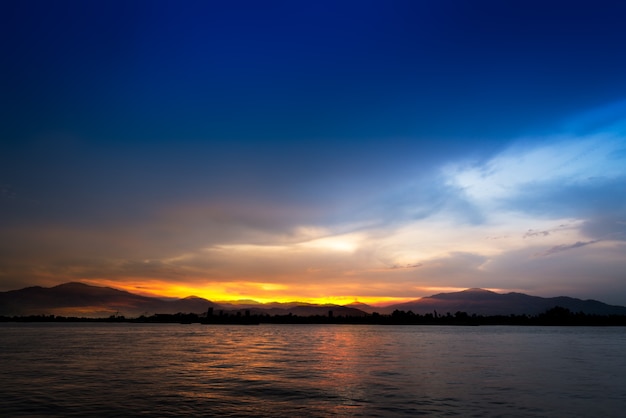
{"x":310,"y":370}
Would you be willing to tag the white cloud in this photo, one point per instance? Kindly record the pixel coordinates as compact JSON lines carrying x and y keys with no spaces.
{"x":564,"y":160}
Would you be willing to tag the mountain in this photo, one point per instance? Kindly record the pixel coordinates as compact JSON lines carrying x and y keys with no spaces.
{"x":239,"y":304}
{"x":485,"y":302}
{"x":363,"y":307}
{"x":79,"y":299}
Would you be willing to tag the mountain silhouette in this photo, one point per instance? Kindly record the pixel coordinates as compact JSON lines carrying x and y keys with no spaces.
{"x":79,"y":299}
{"x":485,"y":302}
{"x":82,"y":300}
{"x":363,"y":307}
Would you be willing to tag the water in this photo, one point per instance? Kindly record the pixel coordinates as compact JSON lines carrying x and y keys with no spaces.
{"x":164,"y":370}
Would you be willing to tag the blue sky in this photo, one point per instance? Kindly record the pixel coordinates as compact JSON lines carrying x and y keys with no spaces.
{"x":303,"y":150}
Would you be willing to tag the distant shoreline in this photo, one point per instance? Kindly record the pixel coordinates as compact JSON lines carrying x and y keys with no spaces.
{"x":556,"y":316}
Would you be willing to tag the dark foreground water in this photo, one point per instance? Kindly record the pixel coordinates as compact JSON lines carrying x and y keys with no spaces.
{"x":310,"y":370}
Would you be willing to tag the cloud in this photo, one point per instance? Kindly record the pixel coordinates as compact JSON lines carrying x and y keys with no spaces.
{"x":561,"y":248}
{"x":533,"y":233}
{"x":406,"y":266}
{"x":525,"y":168}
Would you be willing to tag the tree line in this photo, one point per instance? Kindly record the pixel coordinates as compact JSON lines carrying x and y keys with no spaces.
{"x":557,"y":316}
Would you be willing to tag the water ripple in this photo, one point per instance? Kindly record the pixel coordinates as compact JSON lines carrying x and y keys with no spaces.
{"x":79,"y":370}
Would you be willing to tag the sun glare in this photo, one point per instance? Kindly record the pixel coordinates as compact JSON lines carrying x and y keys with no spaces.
{"x":346,"y":243}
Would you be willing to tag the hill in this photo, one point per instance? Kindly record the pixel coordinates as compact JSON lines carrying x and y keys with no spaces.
{"x":79,"y":299}
{"x":485,"y":302}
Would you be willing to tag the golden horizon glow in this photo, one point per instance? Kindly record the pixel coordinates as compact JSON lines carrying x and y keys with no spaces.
{"x":231,"y":292}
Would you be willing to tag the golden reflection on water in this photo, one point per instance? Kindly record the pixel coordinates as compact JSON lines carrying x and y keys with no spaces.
{"x":325,"y":367}
{"x":322,"y":367}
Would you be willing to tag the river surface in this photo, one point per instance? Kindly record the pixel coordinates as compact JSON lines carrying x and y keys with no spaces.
{"x":162,"y":370}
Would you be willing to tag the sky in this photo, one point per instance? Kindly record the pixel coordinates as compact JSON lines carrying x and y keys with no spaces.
{"x":323,"y":151}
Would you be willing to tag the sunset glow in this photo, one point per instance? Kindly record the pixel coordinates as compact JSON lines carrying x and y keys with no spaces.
{"x":238,"y":291}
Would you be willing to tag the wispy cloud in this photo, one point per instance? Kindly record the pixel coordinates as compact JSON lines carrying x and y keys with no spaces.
{"x":525,"y":167}
{"x":561,"y":248}
{"x":533,"y":233}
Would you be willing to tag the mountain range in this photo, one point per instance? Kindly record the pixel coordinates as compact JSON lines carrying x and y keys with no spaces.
{"x":82,"y":300}
{"x":487,"y":303}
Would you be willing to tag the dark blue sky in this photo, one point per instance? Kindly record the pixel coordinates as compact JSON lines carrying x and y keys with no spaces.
{"x":257,"y":71}
{"x":200,"y":125}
